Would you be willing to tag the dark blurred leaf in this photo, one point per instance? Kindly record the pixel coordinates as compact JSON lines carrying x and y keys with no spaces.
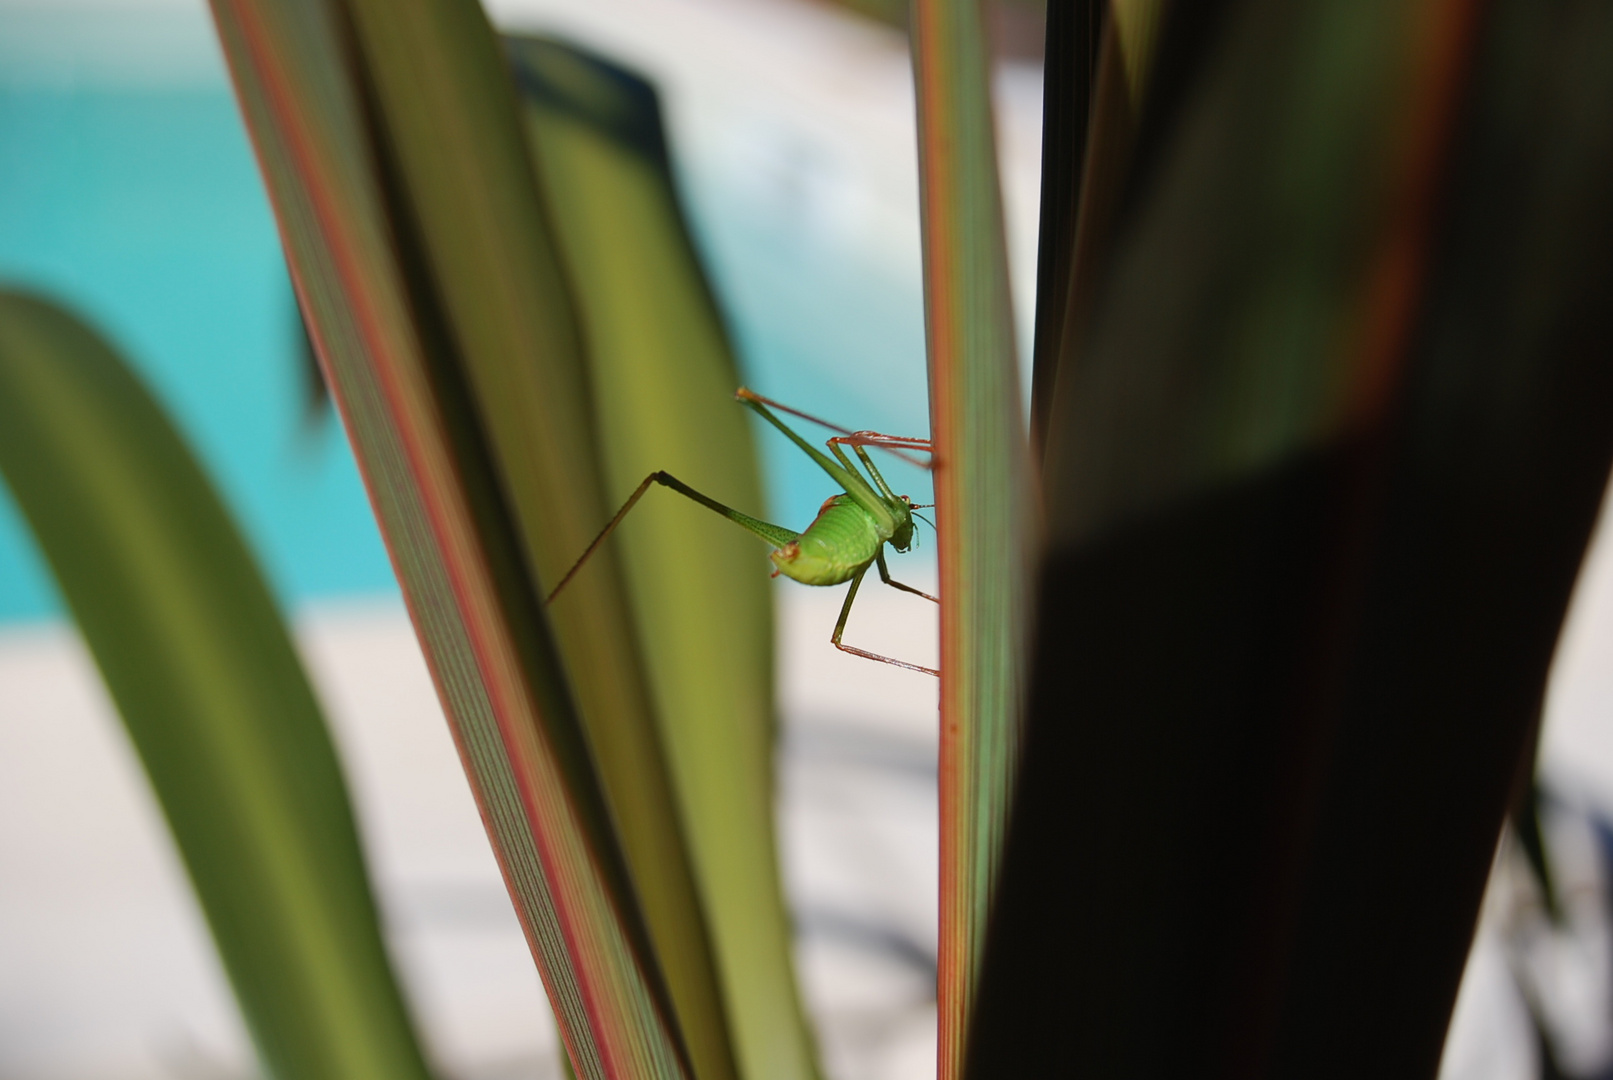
{"x":203,"y":672}
{"x":1070,"y":68}
{"x":1318,"y":483}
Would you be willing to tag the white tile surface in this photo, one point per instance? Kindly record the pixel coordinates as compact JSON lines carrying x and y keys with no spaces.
{"x":105,"y":967}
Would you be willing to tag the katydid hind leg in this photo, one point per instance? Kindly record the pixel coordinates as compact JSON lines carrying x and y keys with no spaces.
{"x":855,"y":438}
{"x":777,"y":535}
{"x":604,"y":534}
{"x":840,"y":629}
{"x":773,"y":534}
{"x":842,"y":473}
{"x":885,"y":576}
{"x":750,"y":395}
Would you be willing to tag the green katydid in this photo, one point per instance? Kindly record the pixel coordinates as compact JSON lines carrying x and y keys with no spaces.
{"x":846,"y":538}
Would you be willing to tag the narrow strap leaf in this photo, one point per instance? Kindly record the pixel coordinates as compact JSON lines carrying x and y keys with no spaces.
{"x":201,"y":668}
{"x":464,"y":574}
{"x":981,"y":484}
{"x":663,"y":374}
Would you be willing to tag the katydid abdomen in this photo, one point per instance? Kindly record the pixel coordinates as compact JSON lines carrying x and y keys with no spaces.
{"x":839,"y":544}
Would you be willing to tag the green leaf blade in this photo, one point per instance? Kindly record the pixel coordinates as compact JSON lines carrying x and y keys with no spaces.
{"x":388,"y":344}
{"x":983,"y":515}
{"x":203,"y":672}
{"x":664,"y":375}
{"x":470,"y":212}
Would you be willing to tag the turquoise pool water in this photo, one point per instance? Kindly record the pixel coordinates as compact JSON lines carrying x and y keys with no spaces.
{"x":138,"y":203}
{"x":143,"y":211}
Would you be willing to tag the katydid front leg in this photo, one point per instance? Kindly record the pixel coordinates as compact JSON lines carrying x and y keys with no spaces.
{"x":845,"y":613}
{"x":885,"y":576}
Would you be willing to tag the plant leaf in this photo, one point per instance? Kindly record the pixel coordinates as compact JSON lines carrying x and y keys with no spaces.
{"x":399,"y":175}
{"x":1069,"y":75}
{"x":1102,"y":59}
{"x":1318,"y":481}
{"x":470,"y":212}
{"x":185,"y":634}
{"x":664,"y":376}
{"x":981,"y":484}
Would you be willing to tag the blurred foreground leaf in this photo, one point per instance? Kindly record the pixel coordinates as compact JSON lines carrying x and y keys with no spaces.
{"x":663,"y":377}
{"x":1320,"y":470}
{"x":1070,"y":67}
{"x":203,"y":672}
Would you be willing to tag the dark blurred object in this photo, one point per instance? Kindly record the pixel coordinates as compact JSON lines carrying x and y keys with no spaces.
{"x":316,"y":403}
{"x":1074,"y":32}
{"x":1550,"y":908}
{"x":1532,"y":840}
{"x":1321,"y":465}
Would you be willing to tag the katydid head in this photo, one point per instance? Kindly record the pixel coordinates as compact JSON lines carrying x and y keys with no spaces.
{"x":901,"y":508}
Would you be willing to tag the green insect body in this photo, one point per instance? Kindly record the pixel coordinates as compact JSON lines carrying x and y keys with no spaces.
{"x":846,"y":538}
{"x":841,"y":543}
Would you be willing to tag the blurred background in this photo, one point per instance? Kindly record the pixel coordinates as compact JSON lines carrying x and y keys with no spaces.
{"x":128,"y":189}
